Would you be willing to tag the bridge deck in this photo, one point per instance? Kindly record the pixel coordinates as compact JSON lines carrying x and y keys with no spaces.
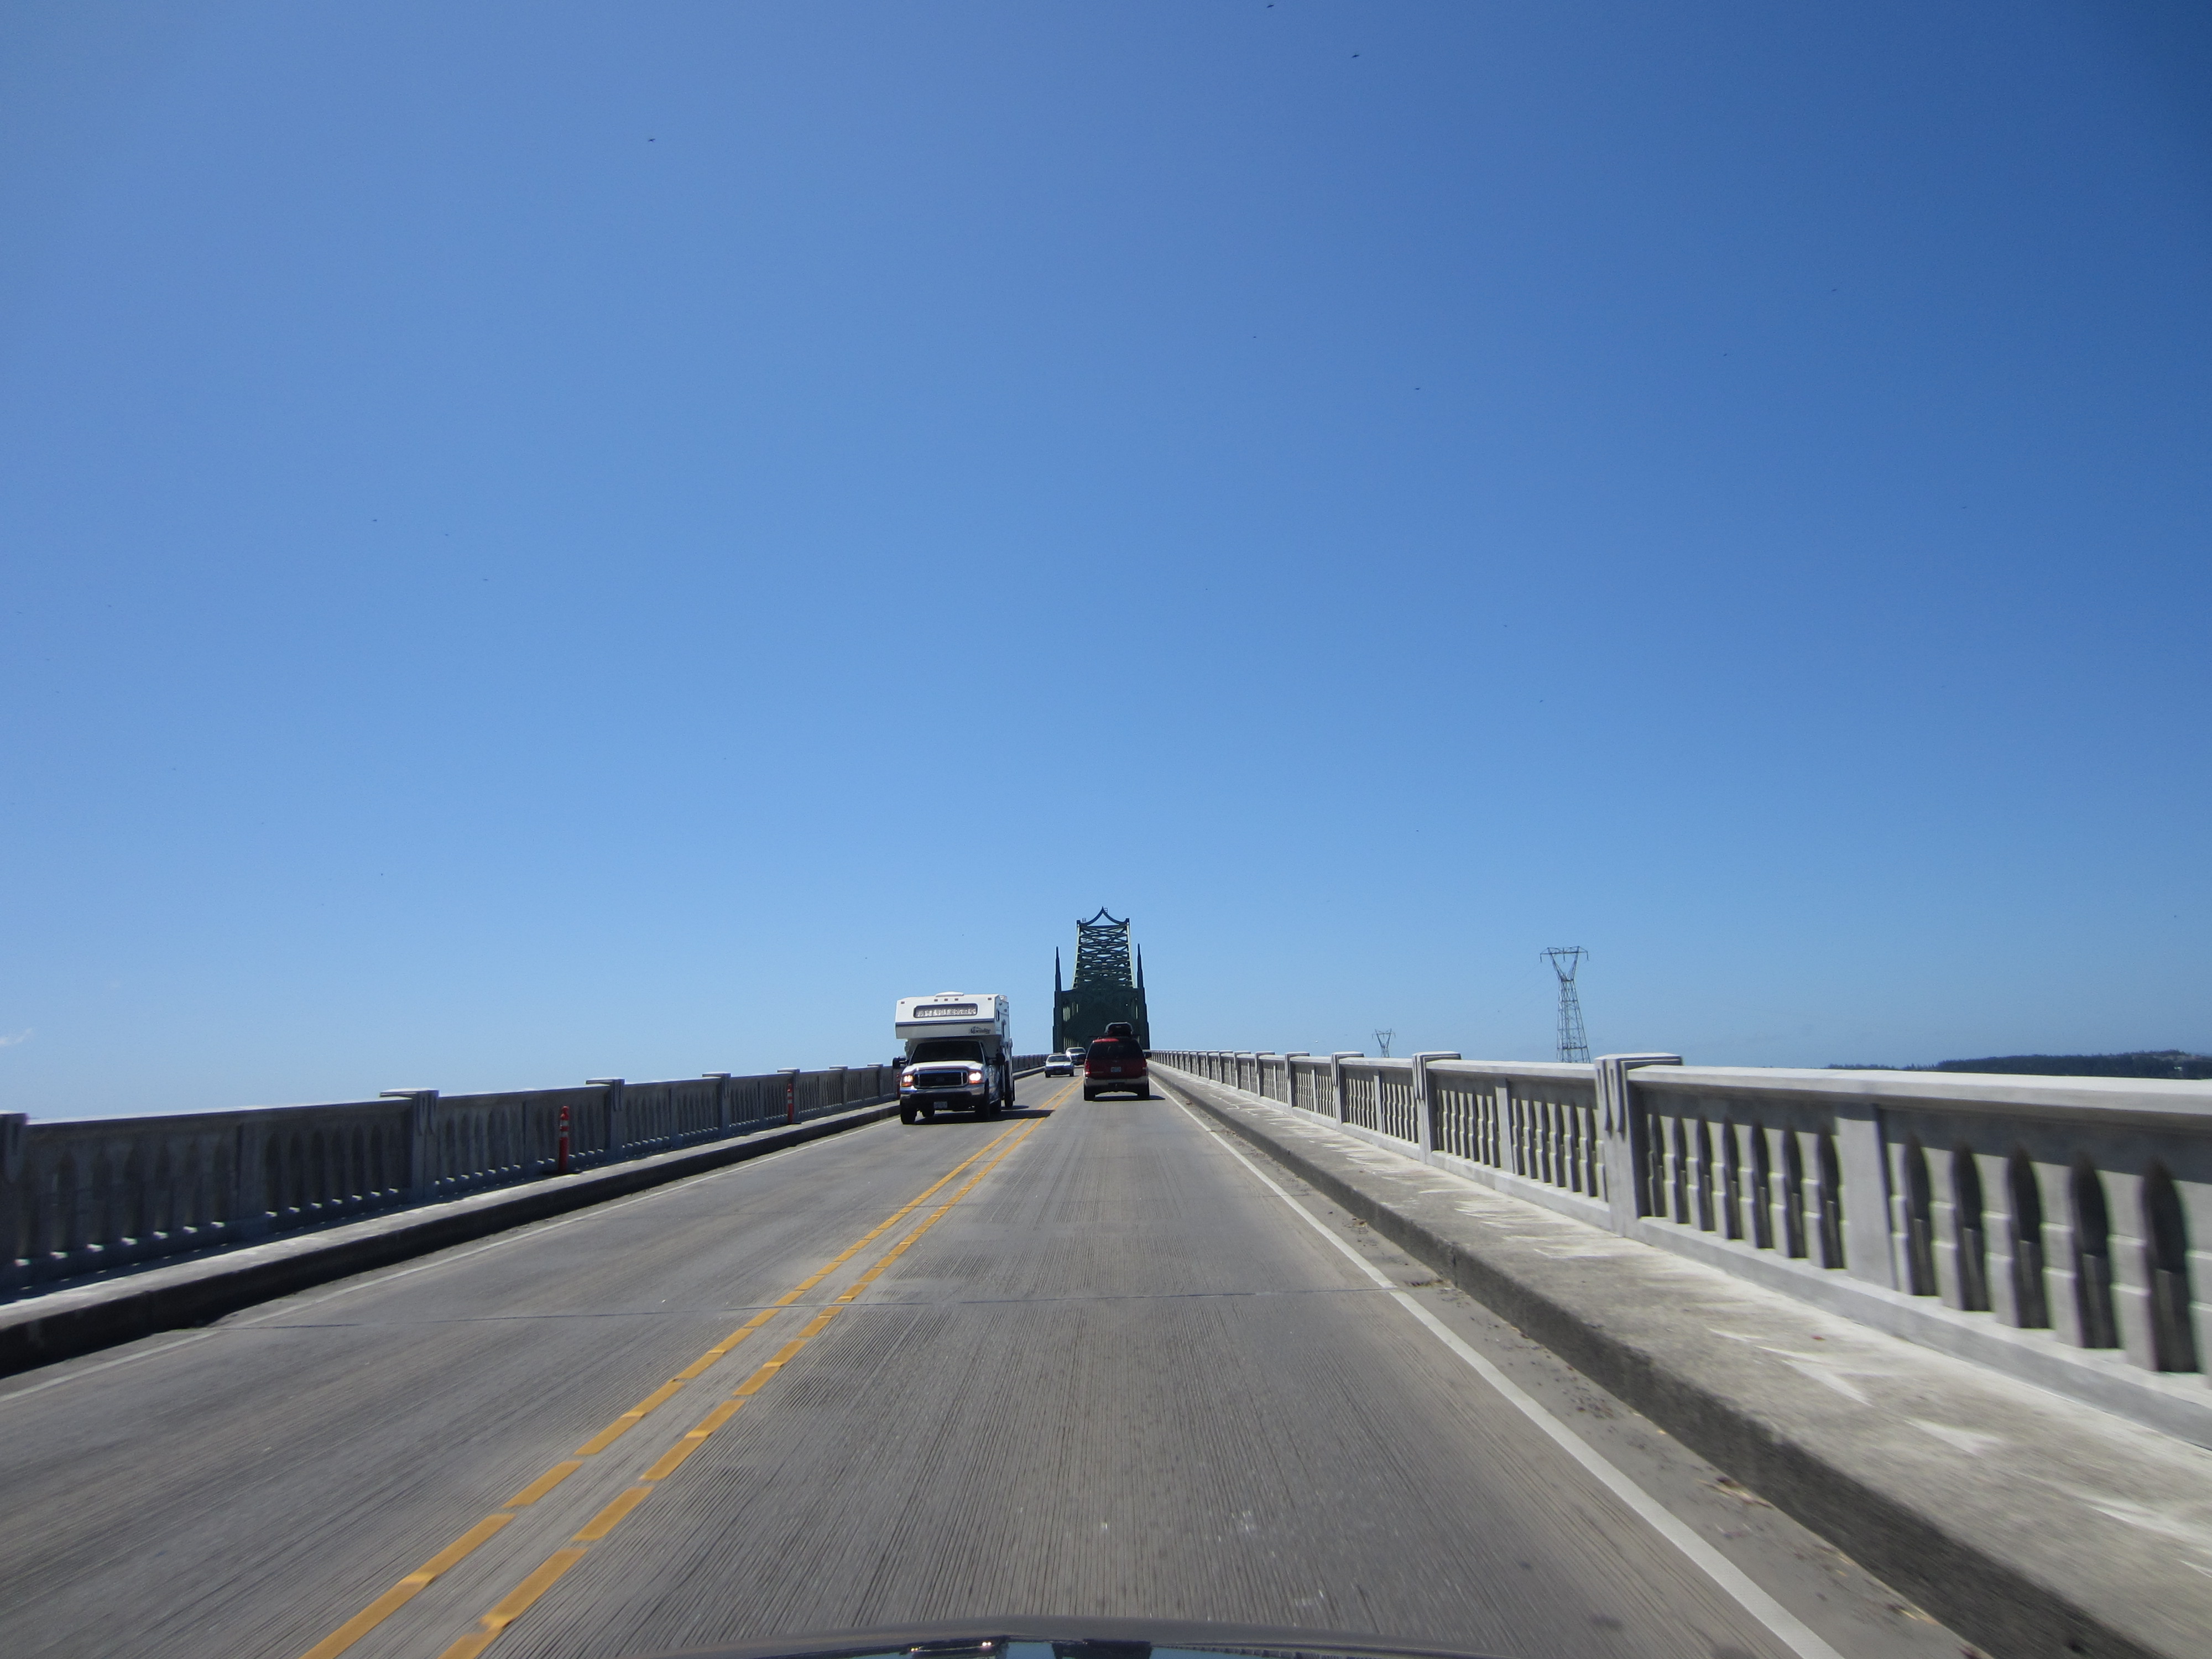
{"x":1118,"y":1374}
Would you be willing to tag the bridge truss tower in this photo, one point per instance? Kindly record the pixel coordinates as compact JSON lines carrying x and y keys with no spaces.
{"x":1110,"y":985}
{"x":1574,"y":1046}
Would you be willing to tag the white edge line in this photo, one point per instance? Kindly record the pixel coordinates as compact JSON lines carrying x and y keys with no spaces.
{"x":104,"y":1365}
{"x":1784,"y":1626}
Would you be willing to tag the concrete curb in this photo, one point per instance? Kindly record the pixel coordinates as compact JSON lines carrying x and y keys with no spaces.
{"x":57,"y":1325}
{"x":2013,"y":1561}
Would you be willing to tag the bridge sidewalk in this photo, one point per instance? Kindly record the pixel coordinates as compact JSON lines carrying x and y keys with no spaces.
{"x":2034,"y":1524}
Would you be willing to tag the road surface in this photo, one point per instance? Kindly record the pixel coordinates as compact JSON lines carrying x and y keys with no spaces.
{"x":1082,"y":1359}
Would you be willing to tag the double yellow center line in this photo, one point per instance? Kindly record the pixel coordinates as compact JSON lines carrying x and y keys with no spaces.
{"x":518,"y":1600}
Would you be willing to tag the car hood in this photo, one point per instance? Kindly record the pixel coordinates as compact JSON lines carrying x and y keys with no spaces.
{"x":1047,"y":1637}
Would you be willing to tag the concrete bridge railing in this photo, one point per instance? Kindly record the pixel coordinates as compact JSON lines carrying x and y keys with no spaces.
{"x":2056,"y":1227}
{"x":83,"y":1196}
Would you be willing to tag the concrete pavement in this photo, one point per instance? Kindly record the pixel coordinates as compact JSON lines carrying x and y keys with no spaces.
{"x":1085,"y":1362}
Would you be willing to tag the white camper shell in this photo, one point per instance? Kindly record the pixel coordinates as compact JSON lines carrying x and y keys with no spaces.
{"x":959,"y":1054}
{"x":953,"y":1013}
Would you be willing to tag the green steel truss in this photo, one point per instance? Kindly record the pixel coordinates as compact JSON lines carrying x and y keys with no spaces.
{"x":1110,"y":985}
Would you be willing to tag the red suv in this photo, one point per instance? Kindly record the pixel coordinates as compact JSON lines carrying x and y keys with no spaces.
{"x":1116,"y":1061}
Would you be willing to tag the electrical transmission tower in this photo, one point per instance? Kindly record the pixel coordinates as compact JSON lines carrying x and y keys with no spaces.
{"x":1574,"y":1046}
{"x":1383,"y":1040}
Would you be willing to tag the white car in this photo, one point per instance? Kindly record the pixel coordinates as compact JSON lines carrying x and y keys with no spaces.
{"x":1059,"y":1066}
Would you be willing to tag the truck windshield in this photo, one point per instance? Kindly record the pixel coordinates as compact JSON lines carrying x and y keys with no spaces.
{"x":946,"y":1048}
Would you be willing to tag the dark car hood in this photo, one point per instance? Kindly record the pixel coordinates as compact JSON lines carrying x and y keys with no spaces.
{"x":1038,"y":1636}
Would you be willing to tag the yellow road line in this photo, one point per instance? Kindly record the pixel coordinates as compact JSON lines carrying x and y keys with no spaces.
{"x":543,"y":1484}
{"x":752,"y":1384}
{"x":537,"y":1584}
{"x":690,"y":1442}
{"x":612,"y":1516}
{"x":637,"y":1413}
{"x":405,"y":1591}
{"x":517,"y":1602}
{"x":630,"y":1418}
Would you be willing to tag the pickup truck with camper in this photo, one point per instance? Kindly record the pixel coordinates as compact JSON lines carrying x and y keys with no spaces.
{"x":959,"y":1055}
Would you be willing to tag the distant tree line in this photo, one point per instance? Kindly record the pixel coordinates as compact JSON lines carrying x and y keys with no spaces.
{"x":2163,"y":1062}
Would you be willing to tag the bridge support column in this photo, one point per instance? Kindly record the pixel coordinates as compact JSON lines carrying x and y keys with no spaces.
{"x":422,"y":1163}
{"x":1865,"y":1169}
{"x":617,"y":1119}
{"x":1336,"y":1081}
{"x":1424,"y":1117}
{"x":15,"y":1167}
{"x":250,"y":1200}
{"x":1621,"y":1122}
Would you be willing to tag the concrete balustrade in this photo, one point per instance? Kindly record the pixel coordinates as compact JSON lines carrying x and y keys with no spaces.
{"x":87,"y":1196}
{"x":2056,"y":1227}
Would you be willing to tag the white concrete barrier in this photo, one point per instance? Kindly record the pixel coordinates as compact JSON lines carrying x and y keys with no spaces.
{"x":2054,"y":1227}
{"x":87,"y":1195}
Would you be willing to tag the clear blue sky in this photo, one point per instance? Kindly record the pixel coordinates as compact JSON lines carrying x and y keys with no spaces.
{"x":547,"y":540}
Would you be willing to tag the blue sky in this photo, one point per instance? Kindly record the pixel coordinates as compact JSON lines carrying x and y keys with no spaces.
{"x":546,"y":540}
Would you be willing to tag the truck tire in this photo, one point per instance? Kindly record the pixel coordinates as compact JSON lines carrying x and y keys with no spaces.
{"x":1089,"y":1095}
{"x":909,"y":1115}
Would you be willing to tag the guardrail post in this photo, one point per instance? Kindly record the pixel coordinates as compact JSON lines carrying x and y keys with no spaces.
{"x":721,"y":1082}
{"x":423,"y":1171}
{"x":1622,"y":1125}
{"x":1336,"y":1081}
{"x":1290,"y":1075}
{"x":2131,"y":1291}
{"x":1864,"y":1165}
{"x":790,"y":1076}
{"x":249,"y":1183}
{"x":15,"y":1160}
{"x":617,"y":1119}
{"x":1424,"y":1115}
{"x":839,"y":1072}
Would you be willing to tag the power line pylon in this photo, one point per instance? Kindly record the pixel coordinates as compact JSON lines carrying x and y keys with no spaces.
{"x":1383,"y":1040}
{"x":1574,"y":1046}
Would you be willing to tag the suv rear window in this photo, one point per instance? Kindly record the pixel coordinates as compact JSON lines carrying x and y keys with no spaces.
{"x":1111,"y":1049}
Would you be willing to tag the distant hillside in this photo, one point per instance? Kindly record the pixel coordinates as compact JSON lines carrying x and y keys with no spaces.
{"x":2163,"y":1062}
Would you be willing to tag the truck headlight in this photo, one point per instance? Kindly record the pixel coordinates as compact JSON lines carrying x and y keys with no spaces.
{"x":974,"y":1077}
